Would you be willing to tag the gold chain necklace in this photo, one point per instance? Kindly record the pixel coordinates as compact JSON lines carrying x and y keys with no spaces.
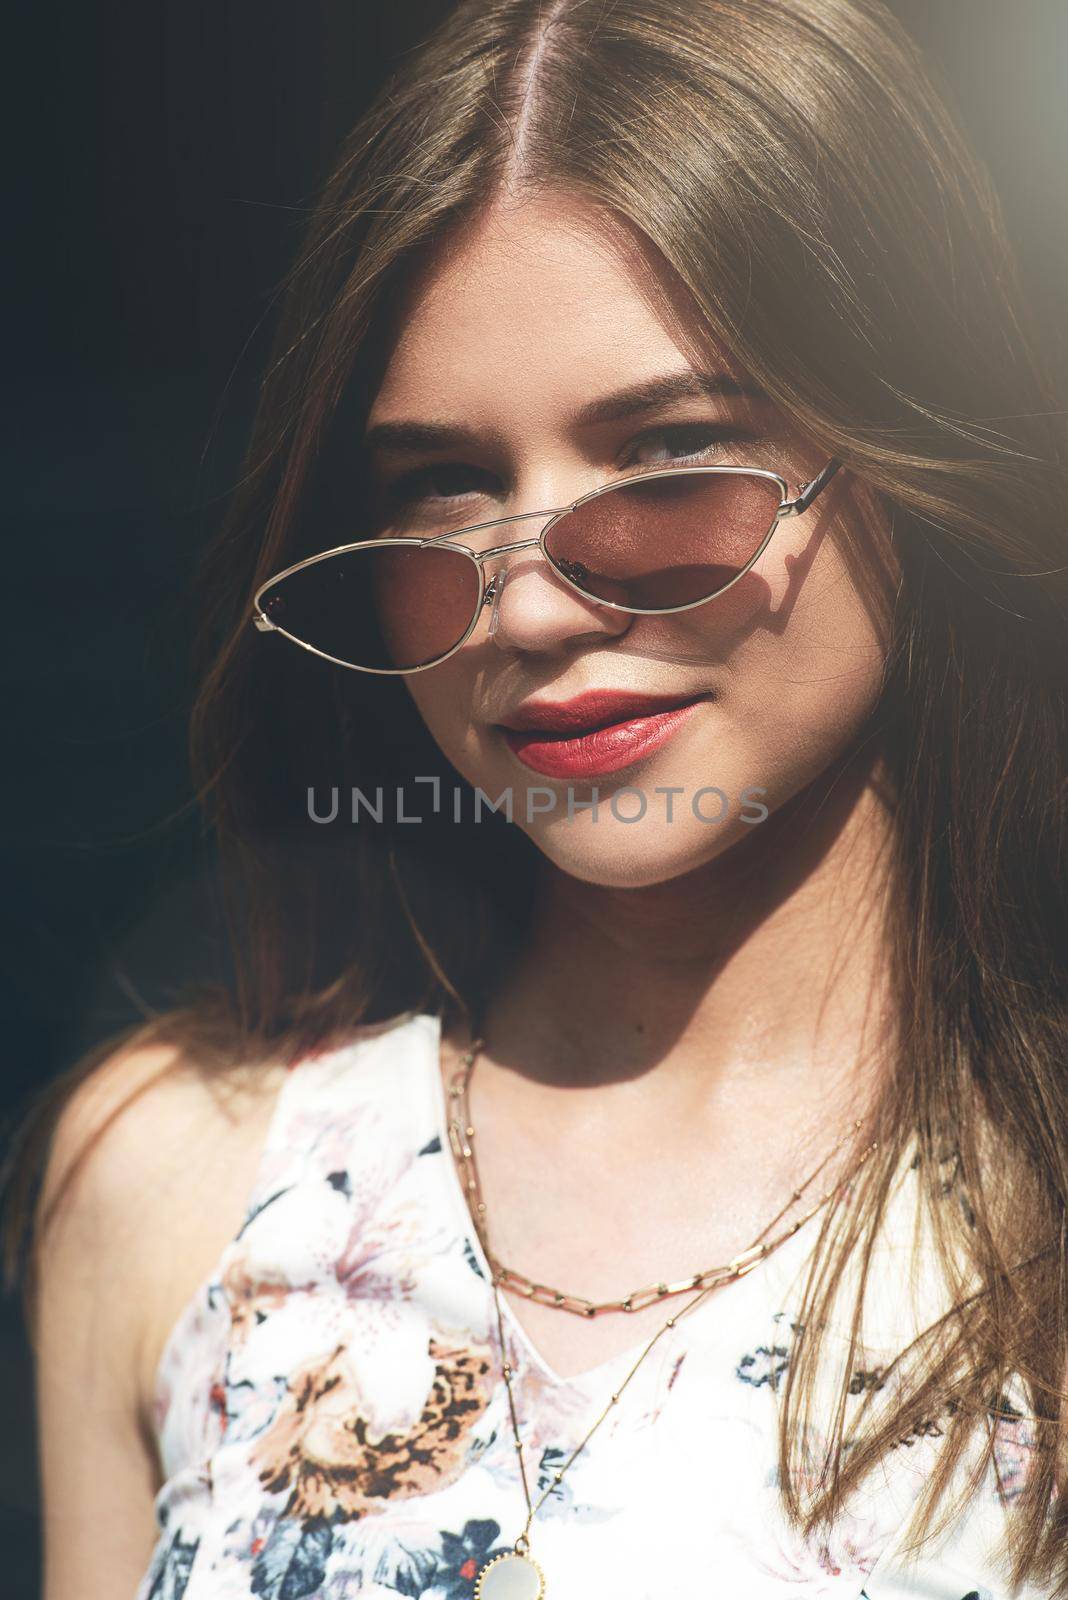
{"x":515,"y":1575}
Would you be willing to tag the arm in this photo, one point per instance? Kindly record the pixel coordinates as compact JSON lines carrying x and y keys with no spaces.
{"x":99,"y":1261}
{"x":164,"y":1154}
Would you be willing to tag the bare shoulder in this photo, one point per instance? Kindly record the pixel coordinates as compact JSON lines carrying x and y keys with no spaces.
{"x":148,"y":1174}
{"x":140,"y":1115}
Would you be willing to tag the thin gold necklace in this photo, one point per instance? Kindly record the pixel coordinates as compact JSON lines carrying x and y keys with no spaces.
{"x":515,"y":1575}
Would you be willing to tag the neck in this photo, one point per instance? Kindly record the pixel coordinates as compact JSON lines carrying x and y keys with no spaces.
{"x":756,"y":985}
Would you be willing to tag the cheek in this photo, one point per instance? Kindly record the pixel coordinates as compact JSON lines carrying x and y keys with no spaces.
{"x":805,"y":678}
{"x":443,"y":696}
{"x":796,"y":661}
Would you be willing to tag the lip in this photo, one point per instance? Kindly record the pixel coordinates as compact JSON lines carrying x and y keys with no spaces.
{"x":597,"y":708}
{"x":596,"y":733}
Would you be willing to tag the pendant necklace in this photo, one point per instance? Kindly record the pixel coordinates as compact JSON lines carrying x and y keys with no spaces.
{"x":515,"y":1575}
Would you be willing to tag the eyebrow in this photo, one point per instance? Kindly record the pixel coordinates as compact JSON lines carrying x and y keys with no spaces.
{"x":688,"y":385}
{"x":410,"y":436}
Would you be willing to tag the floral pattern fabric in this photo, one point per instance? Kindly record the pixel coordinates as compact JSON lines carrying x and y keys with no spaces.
{"x":332,"y":1421}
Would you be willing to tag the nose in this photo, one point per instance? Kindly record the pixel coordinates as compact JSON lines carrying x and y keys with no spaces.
{"x":540,"y":612}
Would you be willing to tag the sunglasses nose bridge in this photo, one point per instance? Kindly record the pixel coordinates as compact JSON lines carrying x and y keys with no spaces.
{"x":503,"y":549}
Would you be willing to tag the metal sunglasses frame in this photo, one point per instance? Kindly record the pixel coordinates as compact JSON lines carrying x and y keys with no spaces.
{"x":787,"y":508}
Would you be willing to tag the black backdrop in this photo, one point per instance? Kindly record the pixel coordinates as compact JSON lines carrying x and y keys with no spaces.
{"x":163,"y":155}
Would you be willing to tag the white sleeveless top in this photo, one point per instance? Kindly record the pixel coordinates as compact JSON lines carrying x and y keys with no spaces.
{"x":332,"y":1420}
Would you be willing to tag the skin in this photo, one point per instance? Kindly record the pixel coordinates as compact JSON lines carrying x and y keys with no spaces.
{"x":685,"y":984}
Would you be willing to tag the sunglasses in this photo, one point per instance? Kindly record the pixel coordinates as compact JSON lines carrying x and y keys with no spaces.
{"x":652,"y":544}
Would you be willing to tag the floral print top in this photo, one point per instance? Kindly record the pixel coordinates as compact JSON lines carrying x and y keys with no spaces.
{"x":332,"y":1421}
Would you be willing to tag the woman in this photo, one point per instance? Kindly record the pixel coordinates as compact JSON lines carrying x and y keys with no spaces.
{"x":636,"y":1160}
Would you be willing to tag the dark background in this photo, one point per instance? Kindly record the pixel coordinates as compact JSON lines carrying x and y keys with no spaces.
{"x":163,"y":156}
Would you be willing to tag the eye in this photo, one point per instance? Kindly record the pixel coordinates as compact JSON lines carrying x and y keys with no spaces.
{"x":684,"y":443}
{"x":436,"y":482}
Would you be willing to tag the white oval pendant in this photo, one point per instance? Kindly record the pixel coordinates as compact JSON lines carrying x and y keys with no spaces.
{"x":510,"y":1577}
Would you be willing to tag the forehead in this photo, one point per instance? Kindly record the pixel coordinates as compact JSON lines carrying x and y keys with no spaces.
{"x":532,"y":303}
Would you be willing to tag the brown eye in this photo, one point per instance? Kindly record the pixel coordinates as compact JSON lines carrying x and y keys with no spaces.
{"x":684,"y":444}
{"x":443,"y":480}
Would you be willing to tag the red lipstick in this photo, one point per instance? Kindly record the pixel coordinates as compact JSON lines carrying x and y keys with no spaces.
{"x":596,"y":733}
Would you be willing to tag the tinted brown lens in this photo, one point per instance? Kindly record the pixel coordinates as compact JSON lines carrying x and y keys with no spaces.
{"x":388,"y":608}
{"x":659,"y":542}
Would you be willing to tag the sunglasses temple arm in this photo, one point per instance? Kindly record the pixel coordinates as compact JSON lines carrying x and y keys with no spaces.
{"x":809,"y":491}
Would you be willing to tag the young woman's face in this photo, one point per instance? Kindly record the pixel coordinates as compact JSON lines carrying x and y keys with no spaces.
{"x":526,"y":321}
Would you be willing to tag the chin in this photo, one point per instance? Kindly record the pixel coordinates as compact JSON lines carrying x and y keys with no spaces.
{"x":618,"y":855}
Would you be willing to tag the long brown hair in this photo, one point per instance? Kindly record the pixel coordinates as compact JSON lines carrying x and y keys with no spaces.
{"x":794,"y":166}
